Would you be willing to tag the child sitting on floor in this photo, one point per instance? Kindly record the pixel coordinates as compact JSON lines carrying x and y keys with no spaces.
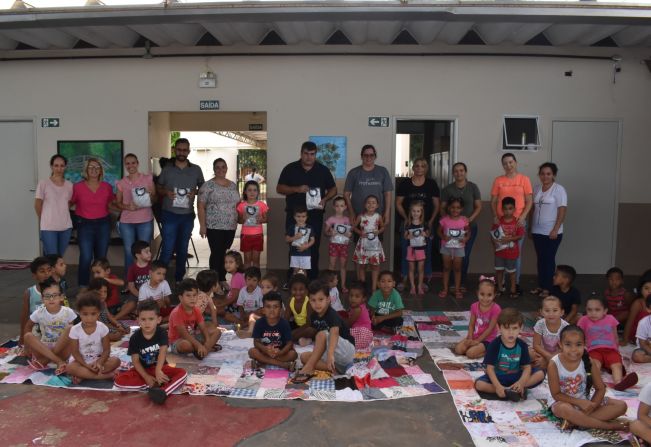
{"x":226,"y":306}
{"x":638,"y":308}
{"x":298,"y":311}
{"x":269,"y":283}
{"x":359,"y":320}
{"x":157,"y":289}
{"x":272,"y":336}
{"x":572,"y":376}
{"x":59,"y":268}
{"x":600,"y":330}
{"x":90,"y":345}
{"x":102,"y":269}
{"x":208,"y":282}
{"x":642,"y":426}
{"x":188,"y":332}
{"x":41,"y":270}
{"x":334,"y":347}
{"x":508,"y":366}
{"x":568,"y":294}
{"x":617,"y":297}
{"x":116,"y":329}
{"x":54,"y":320}
{"x":137,"y":275}
{"x":643,"y":352}
{"x":148,"y":350}
{"x":482,"y":328}
{"x":386,"y":304}
{"x":249,"y":301}
{"x":546,"y":331}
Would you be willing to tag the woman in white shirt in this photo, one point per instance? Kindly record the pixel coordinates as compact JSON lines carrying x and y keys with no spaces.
{"x":549,"y":208}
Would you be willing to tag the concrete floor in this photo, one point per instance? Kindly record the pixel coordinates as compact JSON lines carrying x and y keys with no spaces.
{"x":33,"y":415}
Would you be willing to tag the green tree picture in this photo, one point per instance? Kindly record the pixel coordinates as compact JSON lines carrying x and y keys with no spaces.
{"x":331,"y":152}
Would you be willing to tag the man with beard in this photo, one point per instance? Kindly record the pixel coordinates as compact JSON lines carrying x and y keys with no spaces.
{"x":178,"y":185}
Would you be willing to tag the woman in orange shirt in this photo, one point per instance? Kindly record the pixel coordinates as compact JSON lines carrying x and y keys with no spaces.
{"x":516,"y":185}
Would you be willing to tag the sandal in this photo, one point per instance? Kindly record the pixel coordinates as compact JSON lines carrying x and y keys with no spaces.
{"x":35,"y":364}
{"x":60,"y":369}
{"x":217,"y":347}
{"x":443,"y":293}
{"x":302,"y":377}
{"x":458,"y":295}
{"x":566,"y":425}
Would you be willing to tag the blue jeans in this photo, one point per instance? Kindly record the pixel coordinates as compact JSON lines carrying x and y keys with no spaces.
{"x":55,"y":242}
{"x":132,"y":232}
{"x":177,"y":229}
{"x":466,"y":258}
{"x":404,"y":265}
{"x":93,"y":237}
{"x":546,"y":249}
{"x":518,"y":262}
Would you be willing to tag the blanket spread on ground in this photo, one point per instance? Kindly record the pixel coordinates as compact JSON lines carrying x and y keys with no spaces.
{"x":492,"y":422}
{"x":385,"y":371}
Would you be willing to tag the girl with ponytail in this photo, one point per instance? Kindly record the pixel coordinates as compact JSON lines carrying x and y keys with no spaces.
{"x":578,"y":393}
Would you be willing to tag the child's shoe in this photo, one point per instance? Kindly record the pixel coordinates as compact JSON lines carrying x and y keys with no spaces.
{"x":157,"y":395}
{"x":628,"y":381}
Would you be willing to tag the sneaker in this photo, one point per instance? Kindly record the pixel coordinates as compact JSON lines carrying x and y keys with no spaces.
{"x":157,"y":395}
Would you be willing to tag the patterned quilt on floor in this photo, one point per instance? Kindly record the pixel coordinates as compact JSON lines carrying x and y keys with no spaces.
{"x":387,"y":371}
{"x":527,"y":423}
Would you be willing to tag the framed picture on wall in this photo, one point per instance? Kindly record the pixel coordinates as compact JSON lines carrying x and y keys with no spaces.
{"x":332,"y":153}
{"x":108,"y":152}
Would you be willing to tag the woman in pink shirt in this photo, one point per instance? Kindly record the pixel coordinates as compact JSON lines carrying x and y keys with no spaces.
{"x":134,"y":197}
{"x":92,"y":198}
{"x":516,"y":185}
{"x":52,"y":205}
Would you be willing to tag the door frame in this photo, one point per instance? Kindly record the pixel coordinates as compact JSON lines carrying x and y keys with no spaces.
{"x":453,"y":159}
{"x":34,"y":121}
{"x":620,"y":136}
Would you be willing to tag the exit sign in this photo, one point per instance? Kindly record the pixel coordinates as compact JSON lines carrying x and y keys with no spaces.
{"x":50,"y":122}
{"x":209,"y":104}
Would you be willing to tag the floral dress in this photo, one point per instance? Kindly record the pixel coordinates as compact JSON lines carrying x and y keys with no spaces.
{"x":369,"y":246}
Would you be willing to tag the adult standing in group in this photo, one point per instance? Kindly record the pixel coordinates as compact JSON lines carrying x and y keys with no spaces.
{"x":299,"y":179}
{"x":462,"y":188}
{"x":549,"y":208}
{"x":516,"y":185}
{"x":217,"y":207}
{"x":177,"y":185}
{"x":419,"y":187}
{"x":92,"y":198}
{"x":52,"y":205}
{"x":253,"y":175}
{"x":365,"y":180}
{"x":135,"y":195}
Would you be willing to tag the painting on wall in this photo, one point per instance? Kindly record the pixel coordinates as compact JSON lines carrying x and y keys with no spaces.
{"x":108,"y":152}
{"x":332,"y":153}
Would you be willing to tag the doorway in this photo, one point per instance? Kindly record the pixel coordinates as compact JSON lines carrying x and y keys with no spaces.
{"x":433,"y":139}
{"x":17,"y":172}
{"x":592,"y":191}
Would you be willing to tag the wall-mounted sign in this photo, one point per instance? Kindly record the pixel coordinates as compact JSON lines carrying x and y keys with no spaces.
{"x":209,"y":104}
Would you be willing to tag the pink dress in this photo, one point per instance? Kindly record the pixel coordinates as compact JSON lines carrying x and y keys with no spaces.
{"x":361,"y":329}
{"x":483,"y":320}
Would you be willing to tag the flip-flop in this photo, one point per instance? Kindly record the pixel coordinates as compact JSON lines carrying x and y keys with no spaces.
{"x":36,"y":365}
{"x":443,"y":294}
{"x":217,"y":347}
{"x":60,"y":369}
{"x":302,"y":377}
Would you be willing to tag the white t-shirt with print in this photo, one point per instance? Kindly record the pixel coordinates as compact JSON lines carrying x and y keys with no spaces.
{"x":52,"y":325}
{"x":90,"y":345}
{"x":549,"y":339}
{"x":643,"y":330}
{"x":335,"y":301}
{"x":147,"y":292}
{"x":250,"y":301}
{"x":645,"y":394}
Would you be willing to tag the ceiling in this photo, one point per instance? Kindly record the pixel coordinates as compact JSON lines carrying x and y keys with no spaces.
{"x":282,"y":25}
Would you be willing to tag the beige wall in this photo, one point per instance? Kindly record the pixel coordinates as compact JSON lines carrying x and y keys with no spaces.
{"x":334,"y":95}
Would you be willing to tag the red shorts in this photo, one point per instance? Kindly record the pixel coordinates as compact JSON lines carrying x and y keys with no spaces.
{"x":416,"y":254}
{"x":252,"y":242}
{"x":132,"y":380}
{"x":607,"y":357}
{"x":338,"y":250}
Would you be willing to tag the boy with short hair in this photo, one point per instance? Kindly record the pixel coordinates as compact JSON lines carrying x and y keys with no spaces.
{"x":300,"y":237}
{"x":138,"y":273}
{"x":59,"y":268}
{"x":249,"y":301}
{"x":643,"y":335}
{"x":157,"y":289}
{"x":148,"y":350}
{"x":508,"y":365}
{"x":507,"y":249}
{"x":272,"y":336}
{"x":334,"y":346}
{"x":188,"y":332}
{"x":563,"y":289}
{"x":100,"y":268}
{"x":41,"y":270}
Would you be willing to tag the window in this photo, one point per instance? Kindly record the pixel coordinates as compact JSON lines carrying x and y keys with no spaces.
{"x":520,"y":133}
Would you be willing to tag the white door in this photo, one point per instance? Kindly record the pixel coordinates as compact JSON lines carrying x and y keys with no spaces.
{"x":586,"y":155}
{"x":18,"y":221}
